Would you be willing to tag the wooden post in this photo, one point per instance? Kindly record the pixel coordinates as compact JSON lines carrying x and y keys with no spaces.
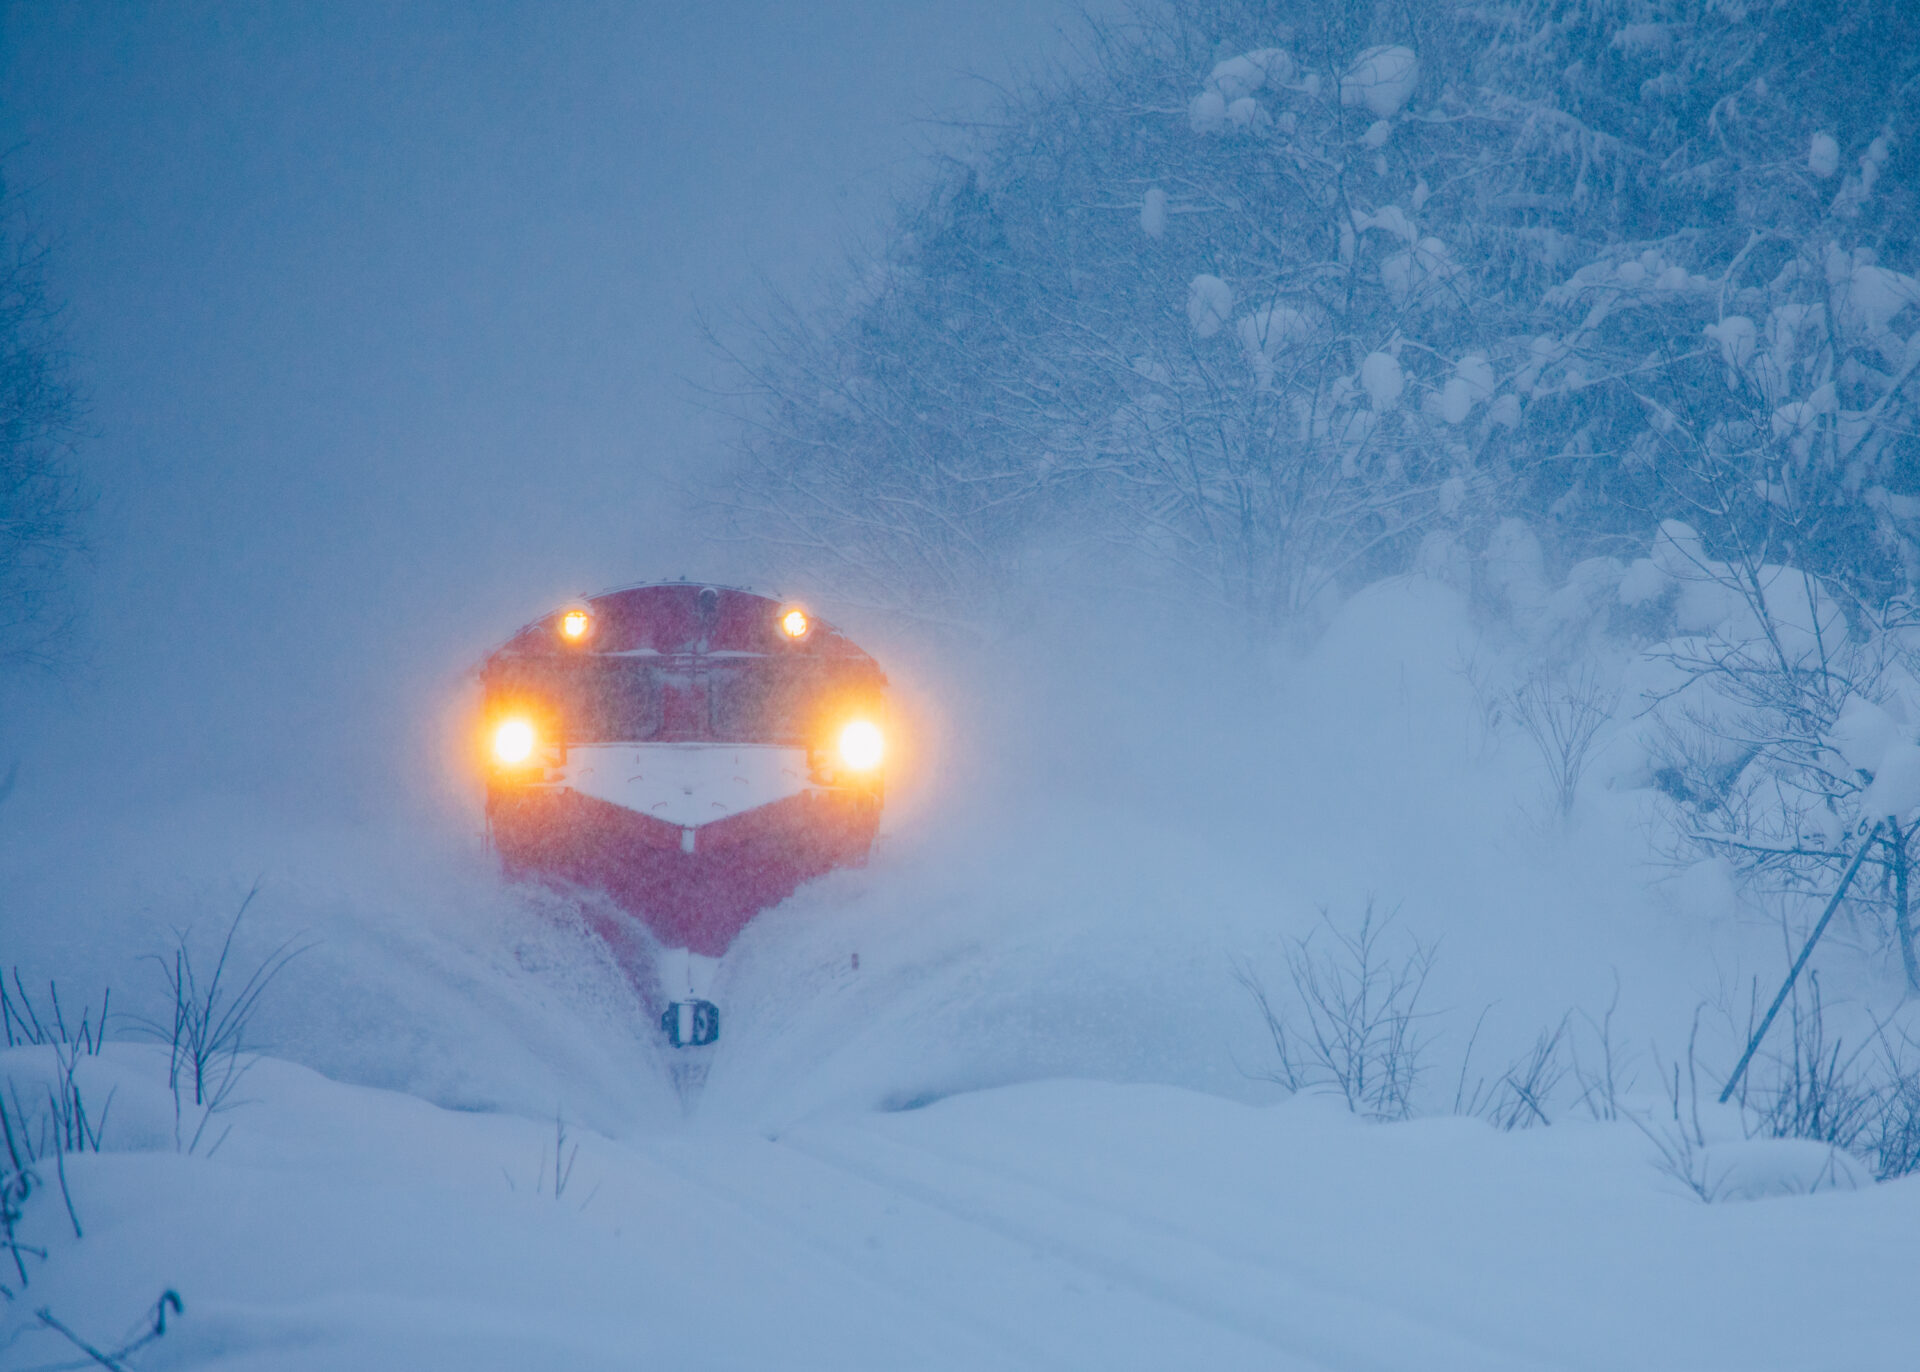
{"x":1853,"y":868}
{"x":1901,"y":920}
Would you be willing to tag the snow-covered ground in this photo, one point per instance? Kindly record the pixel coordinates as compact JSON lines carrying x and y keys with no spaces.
{"x":1060,"y":1223}
{"x":1032,"y":1124}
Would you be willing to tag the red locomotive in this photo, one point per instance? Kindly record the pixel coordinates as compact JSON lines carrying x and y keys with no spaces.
{"x":694,"y":752}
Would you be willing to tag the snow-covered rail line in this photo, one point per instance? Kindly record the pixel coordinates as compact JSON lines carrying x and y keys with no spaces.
{"x":777,"y":1190}
{"x":1037,"y":1303}
{"x":1293,"y":1320}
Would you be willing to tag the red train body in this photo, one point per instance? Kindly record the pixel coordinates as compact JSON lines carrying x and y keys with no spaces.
{"x":695,"y":752}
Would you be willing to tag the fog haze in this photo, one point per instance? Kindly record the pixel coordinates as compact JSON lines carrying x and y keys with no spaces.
{"x":390,"y":319}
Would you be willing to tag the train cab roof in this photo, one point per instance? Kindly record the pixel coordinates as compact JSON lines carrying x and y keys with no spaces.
{"x":673,"y":618}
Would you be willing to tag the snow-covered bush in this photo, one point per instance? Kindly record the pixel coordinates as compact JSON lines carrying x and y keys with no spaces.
{"x":1818,"y":1110}
{"x":1814,"y":1084}
{"x":1777,"y":716}
{"x":1353,"y":1023}
{"x":44,"y":1114}
{"x":206,"y":1036}
{"x":62,"y":1089}
{"x":1563,"y":714}
{"x":1522,"y":1096}
{"x":1780,"y":720}
{"x":1894,"y":1137}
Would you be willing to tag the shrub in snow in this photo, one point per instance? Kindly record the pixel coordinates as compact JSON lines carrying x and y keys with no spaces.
{"x":1779,"y":721}
{"x":1811,"y":1084}
{"x":1523,"y":1096}
{"x":1783,"y":733}
{"x":213,"y":1001}
{"x":44,"y":1113}
{"x":1563,"y":712}
{"x":62,"y":1088}
{"x":1708,"y":1153}
{"x":1893,"y":1139}
{"x":1353,"y":1023}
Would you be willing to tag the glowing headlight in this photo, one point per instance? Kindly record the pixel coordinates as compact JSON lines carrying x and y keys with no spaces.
{"x":861,"y":746}
{"x":574,"y":624}
{"x":794,"y":623}
{"x":513,"y":742}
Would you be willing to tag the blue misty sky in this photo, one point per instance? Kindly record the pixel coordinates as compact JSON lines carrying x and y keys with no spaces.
{"x":389,"y":314}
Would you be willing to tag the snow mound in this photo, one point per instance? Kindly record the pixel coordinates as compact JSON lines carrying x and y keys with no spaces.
{"x":1209,"y":304}
{"x":1823,"y":155}
{"x":1242,"y":76}
{"x":1389,"y":219}
{"x":1755,"y":1169}
{"x":1208,"y":112}
{"x":1153,"y":213}
{"x":1265,"y":334}
{"x":1419,"y":276}
{"x":1382,"y":79}
{"x":1383,"y":381}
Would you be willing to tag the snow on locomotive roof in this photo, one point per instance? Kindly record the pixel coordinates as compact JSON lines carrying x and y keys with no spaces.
{"x":666,"y":618}
{"x":677,"y":581}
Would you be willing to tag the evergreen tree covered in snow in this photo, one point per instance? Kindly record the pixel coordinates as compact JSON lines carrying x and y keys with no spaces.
{"x":1269,"y":299}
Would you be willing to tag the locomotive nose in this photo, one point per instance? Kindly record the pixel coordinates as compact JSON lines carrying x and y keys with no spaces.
{"x":693,"y":753}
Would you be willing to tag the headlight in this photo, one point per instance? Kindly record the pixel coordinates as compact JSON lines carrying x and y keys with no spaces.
{"x":513,"y":741}
{"x":574,"y":625}
{"x":861,"y":746}
{"x":794,"y":623}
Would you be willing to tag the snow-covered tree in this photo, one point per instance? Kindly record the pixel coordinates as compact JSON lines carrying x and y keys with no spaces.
{"x":1734,"y":352}
{"x":1272,"y":298}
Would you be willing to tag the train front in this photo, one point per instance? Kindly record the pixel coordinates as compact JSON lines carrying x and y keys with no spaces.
{"x":694,"y":752}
